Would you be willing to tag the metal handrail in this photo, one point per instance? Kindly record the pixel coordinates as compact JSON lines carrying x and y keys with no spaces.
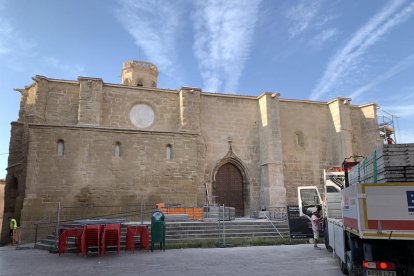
{"x":274,"y":226}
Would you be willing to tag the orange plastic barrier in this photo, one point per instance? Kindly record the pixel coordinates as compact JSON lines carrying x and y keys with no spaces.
{"x":63,"y":239}
{"x":132,"y":232}
{"x":192,"y":212}
{"x":111,"y":236}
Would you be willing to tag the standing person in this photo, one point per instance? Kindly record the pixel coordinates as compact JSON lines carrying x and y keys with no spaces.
{"x":13,"y":229}
{"x":315,"y":227}
{"x":389,"y":139}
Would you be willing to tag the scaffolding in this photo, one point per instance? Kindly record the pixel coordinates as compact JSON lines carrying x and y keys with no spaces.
{"x":387,"y":124}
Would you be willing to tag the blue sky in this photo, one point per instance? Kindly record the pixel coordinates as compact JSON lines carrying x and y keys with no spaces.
{"x":313,"y":49}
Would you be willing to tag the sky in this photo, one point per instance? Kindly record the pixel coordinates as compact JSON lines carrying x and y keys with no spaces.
{"x":303,"y":49}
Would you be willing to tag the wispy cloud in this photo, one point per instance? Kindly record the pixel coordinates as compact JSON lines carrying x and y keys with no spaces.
{"x":5,"y":37}
{"x":11,"y":41}
{"x":405,"y":136}
{"x":154,"y":25}
{"x":401,"y":95}
{"x":401,"y":110}
{"x":345,"y":63}
{"x":13,"y":45}
{"x":323,"y":36}
{"x":58,"y":64}
{"x":302,"y":16}
{"x":223,"y":38}
{"x":400,"y":66}
{"x":308,"y":23}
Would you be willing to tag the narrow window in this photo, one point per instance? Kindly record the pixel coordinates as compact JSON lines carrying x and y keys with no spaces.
{"x":299,"y":139}
{"x":60,"y":147}
{"x":117,"y":152}
{"x":140,"y":83}
{"x":169,"y":152}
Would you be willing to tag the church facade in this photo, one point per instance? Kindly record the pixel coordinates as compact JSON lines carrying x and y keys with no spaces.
{"x":85,"y":142}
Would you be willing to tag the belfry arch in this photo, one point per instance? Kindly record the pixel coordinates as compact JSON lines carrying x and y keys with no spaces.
{"x":230,"y":184}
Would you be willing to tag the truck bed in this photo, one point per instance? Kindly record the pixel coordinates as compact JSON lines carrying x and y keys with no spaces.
{"x":333,"y":205}
{"x":336,"y":237}
{"x":379,"y":210}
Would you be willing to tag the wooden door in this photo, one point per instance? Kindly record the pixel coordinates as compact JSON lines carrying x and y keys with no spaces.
{"x":228,"y":188}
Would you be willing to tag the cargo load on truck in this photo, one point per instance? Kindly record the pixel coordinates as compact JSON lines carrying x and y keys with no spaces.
{"x":372,"y":233}
{"x":389,"y":163}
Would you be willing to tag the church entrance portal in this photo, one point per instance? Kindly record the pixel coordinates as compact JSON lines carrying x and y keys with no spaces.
{"x":228,"y":188}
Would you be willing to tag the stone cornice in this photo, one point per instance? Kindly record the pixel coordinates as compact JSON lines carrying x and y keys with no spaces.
{"x":228,"y":95}
{"x":109,"y":129}
{"x":365,"y":105}
{"x":140,"y":88}
{"x":303,"y":101}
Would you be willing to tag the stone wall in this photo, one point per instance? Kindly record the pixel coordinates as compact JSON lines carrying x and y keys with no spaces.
{"x":14,"y":189}
{"x":307,"y":144}
{"x":2,"y":184}
{"x":277,"y":145}
{"x":235,"y":118}
{"x":365,"y":129}
{"x":118,"y":101}
{"x":89,"y":173}
{"x":62,"y":103}
{"x":90,"y":101}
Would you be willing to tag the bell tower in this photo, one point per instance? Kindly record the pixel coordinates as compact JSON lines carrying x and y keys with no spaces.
{"x":139,"y":73}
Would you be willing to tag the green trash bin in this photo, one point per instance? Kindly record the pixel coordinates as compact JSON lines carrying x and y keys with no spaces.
{"x":158,"y":230}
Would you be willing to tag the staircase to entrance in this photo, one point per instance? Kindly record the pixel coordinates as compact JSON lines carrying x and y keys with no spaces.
{"x":194,"y":232}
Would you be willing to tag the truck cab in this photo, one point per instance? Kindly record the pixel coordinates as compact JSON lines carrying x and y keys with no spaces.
{"x":309,"y":200}
{"x":328,"y":205}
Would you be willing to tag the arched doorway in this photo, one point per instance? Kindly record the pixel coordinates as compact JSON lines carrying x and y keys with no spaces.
{"x":11,"y":208}
{"x":228,"y":188}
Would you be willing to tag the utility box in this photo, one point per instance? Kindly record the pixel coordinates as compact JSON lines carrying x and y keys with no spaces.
{"x":158,"y":230}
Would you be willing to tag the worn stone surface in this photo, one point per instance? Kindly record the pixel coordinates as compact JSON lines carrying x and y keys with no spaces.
{"x":2,"y":184}
{"x":284,"y":260}
{"x":277,"y":145}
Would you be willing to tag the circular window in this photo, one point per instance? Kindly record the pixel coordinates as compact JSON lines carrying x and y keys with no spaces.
{"x":141,"y":115}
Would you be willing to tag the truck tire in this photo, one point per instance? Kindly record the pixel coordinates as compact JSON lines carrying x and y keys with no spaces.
{"x":351,"y":267}
{"x":342,"y":266}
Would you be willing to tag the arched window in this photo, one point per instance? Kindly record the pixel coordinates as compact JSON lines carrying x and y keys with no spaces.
{"x":169,"y":152}
{"x":299,"y":139}
{"x":60,"y":147}
{"x":140,"y":83}
{"x":117,"y":152}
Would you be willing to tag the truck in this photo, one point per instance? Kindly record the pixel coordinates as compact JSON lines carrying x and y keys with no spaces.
{"x":368,"y":221}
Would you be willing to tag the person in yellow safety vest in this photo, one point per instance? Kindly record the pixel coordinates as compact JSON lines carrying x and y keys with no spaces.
{"x":13,"y":229}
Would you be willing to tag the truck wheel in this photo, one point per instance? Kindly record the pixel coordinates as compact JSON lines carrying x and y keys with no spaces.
{"x":342,"y":266}
{"x":352,"y":268}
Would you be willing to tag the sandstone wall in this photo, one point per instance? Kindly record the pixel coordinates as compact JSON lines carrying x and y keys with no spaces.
{"x":14,"y":189}
{"x":117,"y":103}
{"x":365,"y":129}
{"x":89,"y":174}
{"x":278,"y":144}
{"x":307,"y":144}
{"x":222,"y":117}
{"x":2,"y":184}
{"x":62,"y":103}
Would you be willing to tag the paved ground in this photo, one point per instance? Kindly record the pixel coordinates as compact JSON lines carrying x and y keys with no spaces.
{"x":283,"y":260}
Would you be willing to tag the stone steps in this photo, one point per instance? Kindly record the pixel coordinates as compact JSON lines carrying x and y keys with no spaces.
{"x":177,"y":232}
